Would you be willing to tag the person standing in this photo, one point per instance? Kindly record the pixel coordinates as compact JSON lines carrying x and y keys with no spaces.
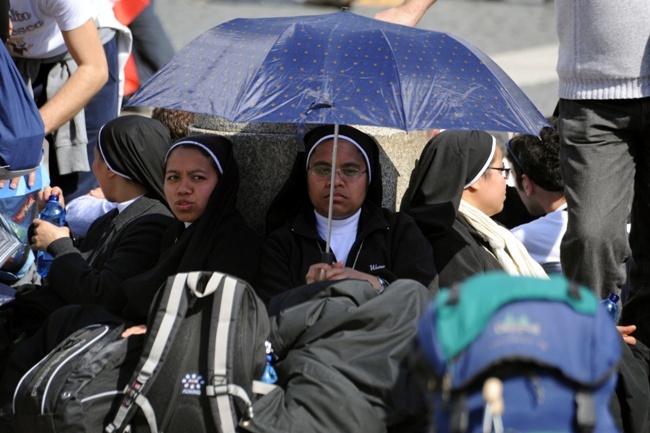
{"x":67,"y":52}
{"x":604,"y":127}
{"x":408,"y":13}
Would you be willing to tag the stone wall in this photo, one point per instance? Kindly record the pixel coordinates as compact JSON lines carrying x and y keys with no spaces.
{"x":265,"y":153}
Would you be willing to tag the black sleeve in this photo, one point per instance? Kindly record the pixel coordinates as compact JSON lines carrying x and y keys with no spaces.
{"x":412,"y":253}
{"x":275,"y":274}
{"x":135,"y":251}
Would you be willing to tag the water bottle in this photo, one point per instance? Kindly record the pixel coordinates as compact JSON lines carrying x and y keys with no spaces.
{"x":270,"y":375}
{"x":611,"y":305}
{"x":53,"y":213}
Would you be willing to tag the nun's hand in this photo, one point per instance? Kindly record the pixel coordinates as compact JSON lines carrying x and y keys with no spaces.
{"x":46,"y":192}
{"x":339,"y":272}
{"x":317,"y":272}
{"x":45,"y":233}
{"x":134,"y":330}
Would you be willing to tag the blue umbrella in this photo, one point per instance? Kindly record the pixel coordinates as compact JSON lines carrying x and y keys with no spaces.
{"x":340,"y":68}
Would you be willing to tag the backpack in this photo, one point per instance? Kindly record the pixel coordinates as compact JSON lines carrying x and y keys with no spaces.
{"x":204,"y":351}
{"x":519,"y":354}
{"x":21,"y":128}
{"x":77,"y":384}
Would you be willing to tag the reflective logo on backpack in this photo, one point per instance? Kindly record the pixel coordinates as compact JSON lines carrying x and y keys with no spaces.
{"x":517,"y":325}
{"x":192,"y":384}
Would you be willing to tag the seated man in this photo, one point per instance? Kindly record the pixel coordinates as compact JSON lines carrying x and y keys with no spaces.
{"x":536,"y":165}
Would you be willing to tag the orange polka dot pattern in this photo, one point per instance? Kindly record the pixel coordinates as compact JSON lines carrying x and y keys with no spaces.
{"x":340,"y":68}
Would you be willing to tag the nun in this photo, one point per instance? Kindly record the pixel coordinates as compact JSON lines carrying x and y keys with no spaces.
{"x":367,"y":241}
{"x":457,"y":184}
{"x":201,"y":182}
{"x":201,"y":187}
{"x":125,"y":242}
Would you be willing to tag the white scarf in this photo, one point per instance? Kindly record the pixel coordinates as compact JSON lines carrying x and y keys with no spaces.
{"x":507,"y":249}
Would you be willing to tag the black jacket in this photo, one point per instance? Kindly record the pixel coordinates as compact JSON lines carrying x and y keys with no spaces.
{"x":114,"y":249}
{"x":388,"y":245}
{"x":460,"y":253}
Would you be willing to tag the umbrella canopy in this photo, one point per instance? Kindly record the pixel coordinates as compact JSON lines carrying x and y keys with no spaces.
{"x":340,"y":68}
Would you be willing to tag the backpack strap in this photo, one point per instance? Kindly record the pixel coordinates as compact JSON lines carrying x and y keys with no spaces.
{"x":173,"y":307}
{"x":222,"y":339}
{"x":585,"y":411}
{"x":459,"y":415}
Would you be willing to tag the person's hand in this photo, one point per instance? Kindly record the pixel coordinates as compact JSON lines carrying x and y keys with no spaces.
{"x":338,"y":271}
{"x":45,"y":193}
{"x":45,"y":233}
{"x":13,"y":184}
{"x":134,"y":330}
{"x":626,"y":333}
{"x":97,"y":193}
{"x":317,"y":272}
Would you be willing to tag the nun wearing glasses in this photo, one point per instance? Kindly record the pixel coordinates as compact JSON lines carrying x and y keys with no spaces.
{"x":367,"y":242}
{"x":457,"y":185}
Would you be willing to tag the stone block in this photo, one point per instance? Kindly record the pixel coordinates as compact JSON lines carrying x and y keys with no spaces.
{"x":265,"y":153}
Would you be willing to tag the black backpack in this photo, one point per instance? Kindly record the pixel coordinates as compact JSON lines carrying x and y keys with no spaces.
{"x":78,"y":384}
{"x":203,"y":352}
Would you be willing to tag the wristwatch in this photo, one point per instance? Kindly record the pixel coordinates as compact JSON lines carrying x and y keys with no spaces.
{"x":383,"y":283}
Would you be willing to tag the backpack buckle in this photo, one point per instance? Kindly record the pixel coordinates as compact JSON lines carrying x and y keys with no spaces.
{"x":132,"y":393}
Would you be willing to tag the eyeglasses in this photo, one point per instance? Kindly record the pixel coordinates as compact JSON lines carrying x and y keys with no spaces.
{"x":348,"y":174}
{"x":514,"y":157}
{"x":505,"y":172}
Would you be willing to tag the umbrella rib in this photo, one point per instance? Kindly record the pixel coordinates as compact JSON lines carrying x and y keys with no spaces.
{"x":399,"y":82}
{"x":253,"y":77}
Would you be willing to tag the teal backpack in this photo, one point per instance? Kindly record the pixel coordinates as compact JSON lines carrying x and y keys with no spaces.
{"x":519,"y":354}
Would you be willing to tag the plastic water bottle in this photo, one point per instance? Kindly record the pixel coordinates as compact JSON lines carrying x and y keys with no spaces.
{"x":53,"y":213}
{"x":270,"y":375}
{"x":611,"y":305}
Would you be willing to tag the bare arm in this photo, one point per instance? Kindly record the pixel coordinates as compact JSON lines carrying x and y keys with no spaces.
{"x":408,"y":13}
{"x":86,"y":49}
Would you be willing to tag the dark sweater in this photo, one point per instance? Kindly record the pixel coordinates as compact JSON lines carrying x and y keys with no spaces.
{"x":388,"y":244}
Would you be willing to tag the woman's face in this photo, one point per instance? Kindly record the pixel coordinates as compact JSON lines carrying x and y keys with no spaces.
{"x":349,"y":193}
{"x":491,"y":187}
{"x":190,"y":178}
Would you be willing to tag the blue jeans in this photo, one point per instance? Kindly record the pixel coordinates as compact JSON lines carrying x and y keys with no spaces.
{"x":605,"y":163}
{"x":99,"y":110}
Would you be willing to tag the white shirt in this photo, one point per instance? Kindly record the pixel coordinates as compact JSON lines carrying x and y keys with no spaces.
{"x":542,"y":238}
{"x":344,"y":233}
{"x":38,"y":24}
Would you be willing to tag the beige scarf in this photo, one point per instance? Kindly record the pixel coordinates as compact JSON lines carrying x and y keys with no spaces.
{"x":507,"y":249}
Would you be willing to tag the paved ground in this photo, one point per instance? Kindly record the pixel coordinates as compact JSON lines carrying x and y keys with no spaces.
{"x":518,"y":34}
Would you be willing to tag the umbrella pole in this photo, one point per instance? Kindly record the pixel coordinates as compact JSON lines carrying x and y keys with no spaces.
{"x":327,"y":256}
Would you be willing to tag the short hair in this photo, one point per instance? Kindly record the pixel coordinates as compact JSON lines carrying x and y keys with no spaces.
{"x":537,"y":157}
{"x":177,"y":121}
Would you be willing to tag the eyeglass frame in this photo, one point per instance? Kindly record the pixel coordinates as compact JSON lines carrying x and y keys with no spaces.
{"x":514,"y":157}
{"x":503,"y":170}
{"x":338,"y":171}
